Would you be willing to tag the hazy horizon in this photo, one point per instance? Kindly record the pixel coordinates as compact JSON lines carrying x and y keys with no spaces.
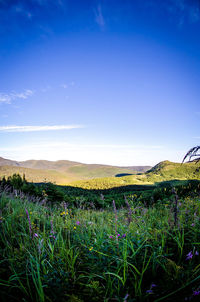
{"x":102,"y":82}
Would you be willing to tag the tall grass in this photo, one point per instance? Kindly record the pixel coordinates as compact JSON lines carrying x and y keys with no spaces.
{"x":63,"y":254}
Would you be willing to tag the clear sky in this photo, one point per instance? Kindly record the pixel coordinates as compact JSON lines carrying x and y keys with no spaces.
{"x":111,"y":82}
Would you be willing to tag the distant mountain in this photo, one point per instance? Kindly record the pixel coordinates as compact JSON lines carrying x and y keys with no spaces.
{"x":8,"y":162}
{"x":62,"y":171}
{"x":98,"y":176}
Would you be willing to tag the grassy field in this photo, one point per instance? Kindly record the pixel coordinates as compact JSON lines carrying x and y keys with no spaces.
{"x":137,"y":253}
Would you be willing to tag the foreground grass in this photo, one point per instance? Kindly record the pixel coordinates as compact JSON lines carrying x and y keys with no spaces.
{"x":133,"y":254}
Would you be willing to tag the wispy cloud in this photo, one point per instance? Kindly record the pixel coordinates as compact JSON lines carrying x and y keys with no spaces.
{"x":99,"y":18}
{"x":67,"y":85}
{"x":37,"y":128}
{"x":185,"y":10}
{"x":9,"y":97}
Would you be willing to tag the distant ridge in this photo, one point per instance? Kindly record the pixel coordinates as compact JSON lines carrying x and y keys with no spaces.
{"x":63,"y":171}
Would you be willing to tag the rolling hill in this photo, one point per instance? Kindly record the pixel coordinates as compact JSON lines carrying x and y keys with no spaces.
{"x":62,"y":171}
{"x":163,"y":171}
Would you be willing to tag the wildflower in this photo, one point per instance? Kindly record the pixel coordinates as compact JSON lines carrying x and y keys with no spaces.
{"x":124,"y":235}
{"x":153,"y":285}
{"x":78,"y":222}
{"x":35,"y":235}
{"x":91,"y":248}
{"x":149,"y":291}
{"x":52,"y":231}
{"x":196,"y":292}
{"x":111,"y":237}
{"x":118,"y":235}
{"x":74,"y":227}
{"x":196,"y":253}
{"x":192,"y":224}
{"x":189,"y":255}
{"x":29,"y":221}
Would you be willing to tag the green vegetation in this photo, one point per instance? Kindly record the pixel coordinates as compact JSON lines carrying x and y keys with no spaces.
{"x":138,"y":253}
{"x":164,"y":171}
{"x":73,"y":243}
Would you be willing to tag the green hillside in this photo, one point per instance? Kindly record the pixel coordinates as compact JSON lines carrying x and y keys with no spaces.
{"x":164,"y":171}
{"x":63,"y":171}
{"x":37,"y":176}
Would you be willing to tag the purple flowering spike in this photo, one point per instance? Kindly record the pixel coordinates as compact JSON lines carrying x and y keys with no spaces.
{"x":29,"y":221}
{"x":189,"y":255}
{"x":149,"y":291}
{"x":196,"y":292}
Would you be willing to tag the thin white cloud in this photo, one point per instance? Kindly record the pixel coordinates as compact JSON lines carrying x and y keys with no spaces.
{"x":67,"y":85}
{"x":7,"y":98}
{"x":185,"y":10}
{"x":37,"y":128}
{"x":99,"y":18}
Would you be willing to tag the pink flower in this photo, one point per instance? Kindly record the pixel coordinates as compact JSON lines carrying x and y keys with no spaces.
{"x":35,"y":235}
{"x":78,"y":222}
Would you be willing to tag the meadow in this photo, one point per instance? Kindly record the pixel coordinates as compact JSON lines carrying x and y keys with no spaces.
{"x":137,"y":248}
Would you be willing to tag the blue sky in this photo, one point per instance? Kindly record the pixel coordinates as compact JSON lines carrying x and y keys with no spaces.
{"x":111,"y":82}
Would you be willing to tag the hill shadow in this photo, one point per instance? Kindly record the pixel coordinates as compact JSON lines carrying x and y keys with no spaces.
{"x":123,"y":174}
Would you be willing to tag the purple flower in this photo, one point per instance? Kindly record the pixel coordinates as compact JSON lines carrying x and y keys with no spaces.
{"x":118,"y":235}
{"x":196,"y":292}
{"x":153,"y":285}
{"x":189,"y":255}
{"x":124,"y":235}
{"x":192,"y":224}
{"x":29,"y":221}
{"x":111,"y":237}
{"x":196,"y":253}
{"x":35,"y":235}
{"x":52,"y":231}
{"x":149,"y":291}
{"x":77,"y":222}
